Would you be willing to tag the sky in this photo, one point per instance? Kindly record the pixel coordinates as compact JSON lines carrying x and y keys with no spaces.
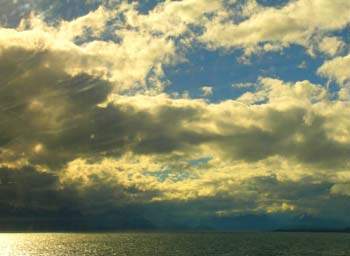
{"x":180,"y":115}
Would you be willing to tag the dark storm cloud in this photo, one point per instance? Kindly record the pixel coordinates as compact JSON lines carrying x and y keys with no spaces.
{"x":53,"y":117}
{"x":279,"y":137}
{"x":26,"y":186}
{"x":308,"y":196}
{"x":288,"y":203}
{"x":32,"y":200}
{"x":42,"y":106}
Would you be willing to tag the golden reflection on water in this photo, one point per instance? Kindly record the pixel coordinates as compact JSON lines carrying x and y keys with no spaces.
{"x":13,"y":244}
{"x":45,"y":244}
{"x":66,"y":244}
{"x":71,"y":244}
{"x":57,"y":244}
{"x":174,"y":244}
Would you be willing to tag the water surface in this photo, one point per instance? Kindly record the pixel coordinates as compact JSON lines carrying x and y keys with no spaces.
{"x":191,"y":244}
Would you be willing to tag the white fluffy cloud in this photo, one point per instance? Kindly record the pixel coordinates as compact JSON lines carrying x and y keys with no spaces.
{"x":206,"y":90}
{"x":337,"y":69}
{"x":300,"y":22}
{"x":331,"y":45}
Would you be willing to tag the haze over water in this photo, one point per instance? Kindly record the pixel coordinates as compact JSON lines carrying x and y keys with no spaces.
{"x":191,"y":244}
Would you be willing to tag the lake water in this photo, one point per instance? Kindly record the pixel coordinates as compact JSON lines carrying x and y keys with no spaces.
{"x":191,"y":244}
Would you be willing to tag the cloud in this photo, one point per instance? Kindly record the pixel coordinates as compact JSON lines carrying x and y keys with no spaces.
{"x":243,"y":85}
{"x":331,"y":45}
{"x":173,"y":18}
{"x":12,"y":12}
{"x":206,"y":90}
{"x":33,"y":200}
{"x":118,"y":149}
{"x":340,"y":189}
{"x":137,"y":57}
{"x":75,"y":127}
{"x":295,"y":23}
{"x":337,"y":69}
{"x":27,"y":187}
{"x":85,"y":118}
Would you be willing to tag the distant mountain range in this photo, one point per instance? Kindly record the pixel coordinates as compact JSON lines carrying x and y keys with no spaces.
{"x":321,"y":230}
{"x":273,"y":222}
{"x":23,"y":219}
